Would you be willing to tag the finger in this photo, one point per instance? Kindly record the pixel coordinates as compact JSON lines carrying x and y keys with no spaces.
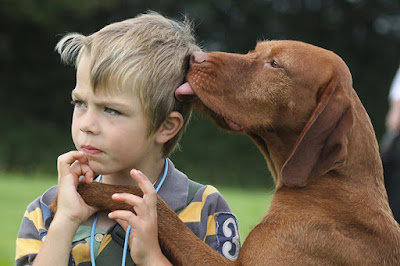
{"x":87,"y":172}
{"x":130,"y":199}
{"x":144,"y":184}
{"x":65,"y":160}
{"x":129,"y":217}
{"x":82,"y":169}
{"x":141,"y":206}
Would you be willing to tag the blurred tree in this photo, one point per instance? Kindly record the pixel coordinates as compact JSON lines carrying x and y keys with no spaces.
{"x":34,"y":93}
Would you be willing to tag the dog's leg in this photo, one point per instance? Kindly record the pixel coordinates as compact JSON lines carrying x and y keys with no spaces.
{"x":99,"y":196}
{"x":178,"y":243}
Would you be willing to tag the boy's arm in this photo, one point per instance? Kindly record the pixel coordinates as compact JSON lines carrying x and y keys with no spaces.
{"x":56,"y":248}
{"x":53,"y":243}
{"x":30,"y":235}
{"x":71,"y":210}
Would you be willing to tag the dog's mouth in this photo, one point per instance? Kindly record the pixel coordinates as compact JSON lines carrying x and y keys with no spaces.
{"x":185,"y":93}
{"x":233,"y":125}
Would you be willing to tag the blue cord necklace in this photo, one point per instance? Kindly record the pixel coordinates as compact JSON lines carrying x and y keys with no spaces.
{"x":92,"y":258}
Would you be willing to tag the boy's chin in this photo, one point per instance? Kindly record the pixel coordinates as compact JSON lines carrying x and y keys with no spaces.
{"x":97,"y":168}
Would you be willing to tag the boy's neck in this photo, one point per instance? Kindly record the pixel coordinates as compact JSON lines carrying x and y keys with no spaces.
{"x":152,"y":171}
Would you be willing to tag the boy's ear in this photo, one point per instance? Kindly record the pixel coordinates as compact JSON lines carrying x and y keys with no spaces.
{"x":170,"y":127}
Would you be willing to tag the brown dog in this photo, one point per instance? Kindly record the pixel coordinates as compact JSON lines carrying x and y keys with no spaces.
{"x":297,"y":103}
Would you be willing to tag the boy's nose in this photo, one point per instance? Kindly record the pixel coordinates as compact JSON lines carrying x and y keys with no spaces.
{"x":88,"y":123}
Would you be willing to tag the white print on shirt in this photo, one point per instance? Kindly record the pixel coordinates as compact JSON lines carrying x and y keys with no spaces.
{"x":228,"y":235}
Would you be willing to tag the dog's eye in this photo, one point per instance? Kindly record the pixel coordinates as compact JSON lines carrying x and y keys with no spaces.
{"x":275,"y":64}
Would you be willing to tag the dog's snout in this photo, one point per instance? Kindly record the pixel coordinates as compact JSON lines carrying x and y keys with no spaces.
{"x":198,"y":57}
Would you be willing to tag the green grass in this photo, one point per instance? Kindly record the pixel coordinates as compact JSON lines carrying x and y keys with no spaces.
{"x":16,"y":192}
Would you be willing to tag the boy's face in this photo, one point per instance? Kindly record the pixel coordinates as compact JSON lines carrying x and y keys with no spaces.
{"x":111,"y":130}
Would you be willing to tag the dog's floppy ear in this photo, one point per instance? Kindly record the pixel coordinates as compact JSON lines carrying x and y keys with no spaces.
{"x":322,"y":144}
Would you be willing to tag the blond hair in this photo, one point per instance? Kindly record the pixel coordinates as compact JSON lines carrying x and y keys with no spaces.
{"x":148,"y":54}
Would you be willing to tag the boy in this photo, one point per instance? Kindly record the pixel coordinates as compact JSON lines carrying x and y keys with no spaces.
{"x":126,"y":122}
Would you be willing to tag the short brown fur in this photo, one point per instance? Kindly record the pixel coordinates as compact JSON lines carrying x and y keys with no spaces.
{"x":330,"y":205}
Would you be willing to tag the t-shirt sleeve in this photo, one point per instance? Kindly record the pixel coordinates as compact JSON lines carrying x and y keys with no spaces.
{"x":34,"y":226}
{"x":211,"y":219}
{"x":30,"y":234}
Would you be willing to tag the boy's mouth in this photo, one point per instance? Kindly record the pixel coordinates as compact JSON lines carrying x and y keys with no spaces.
{"x":90,"y":150}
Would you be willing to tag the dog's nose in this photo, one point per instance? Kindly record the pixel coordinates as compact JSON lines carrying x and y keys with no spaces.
{"x":198,"y":57}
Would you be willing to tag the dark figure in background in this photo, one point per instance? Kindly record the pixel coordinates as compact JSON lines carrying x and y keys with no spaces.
{"x":391,"y":148}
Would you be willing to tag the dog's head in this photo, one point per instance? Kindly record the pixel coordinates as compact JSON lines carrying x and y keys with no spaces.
{"x":280,"y":86}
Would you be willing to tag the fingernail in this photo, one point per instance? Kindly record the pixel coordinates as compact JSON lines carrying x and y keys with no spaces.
{"x":138,"y":172}
{"x":115,"y":195}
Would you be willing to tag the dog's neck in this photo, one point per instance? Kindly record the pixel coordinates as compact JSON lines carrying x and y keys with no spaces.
{"x":276,"y":148}
{"x":361,"y":175}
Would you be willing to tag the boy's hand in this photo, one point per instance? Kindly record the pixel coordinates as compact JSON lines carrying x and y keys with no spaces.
{"x":70,"y":205}
{"x":143,"y":237}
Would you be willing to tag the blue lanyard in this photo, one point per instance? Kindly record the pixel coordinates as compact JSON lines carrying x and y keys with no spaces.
{"x":129,"y":227}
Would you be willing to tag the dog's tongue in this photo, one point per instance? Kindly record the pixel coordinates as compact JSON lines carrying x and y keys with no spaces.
{"x":184,"y":92}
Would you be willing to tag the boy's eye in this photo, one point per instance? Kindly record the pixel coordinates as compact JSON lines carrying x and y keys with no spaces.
{"x":77,"y":103}
{"x":111,"y":111}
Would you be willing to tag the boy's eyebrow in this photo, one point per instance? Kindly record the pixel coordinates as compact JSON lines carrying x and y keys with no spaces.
{"x":112,"y":104}
{"x":108,"y":102}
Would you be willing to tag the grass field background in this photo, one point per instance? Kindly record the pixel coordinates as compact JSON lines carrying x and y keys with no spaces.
{"x":16,"y":192}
